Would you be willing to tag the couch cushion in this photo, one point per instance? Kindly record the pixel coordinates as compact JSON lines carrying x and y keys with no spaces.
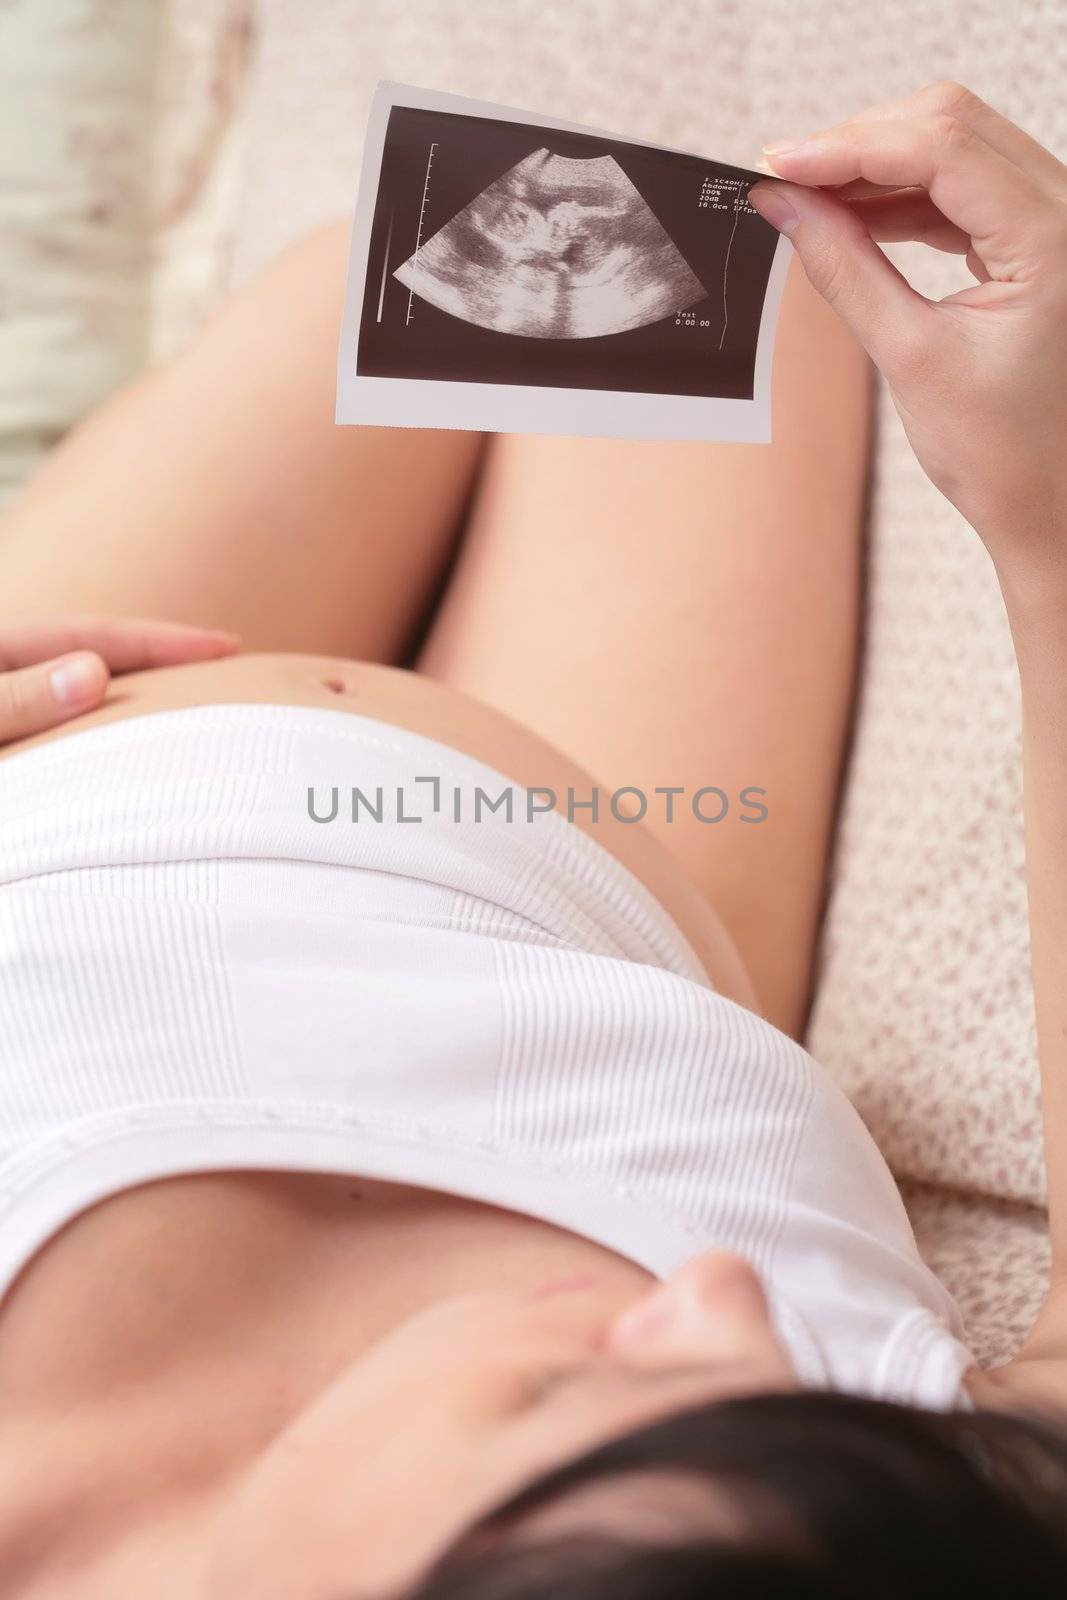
{"x":118,"y":141}
{"x":75,"y":93}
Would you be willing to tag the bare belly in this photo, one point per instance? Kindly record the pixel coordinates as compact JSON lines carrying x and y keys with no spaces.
{"x":426,"y":706}
{"x":198,"y":1231}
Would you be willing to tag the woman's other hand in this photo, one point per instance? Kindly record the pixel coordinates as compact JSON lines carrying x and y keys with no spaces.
{"x":979,"y":378}
{"x":52,"y":671}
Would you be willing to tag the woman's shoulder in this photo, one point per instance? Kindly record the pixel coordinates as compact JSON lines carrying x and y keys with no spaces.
{"x":1035,"y":1377}
{"x":1025,"y":1383}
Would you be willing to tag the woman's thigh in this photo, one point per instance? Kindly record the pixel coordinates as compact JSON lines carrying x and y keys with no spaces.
{"x":218,"y":490}
{"x":406,"y":699}
{"x":686,"y":615}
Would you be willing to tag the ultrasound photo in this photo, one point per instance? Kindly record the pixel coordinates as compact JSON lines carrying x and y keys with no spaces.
{"x":511,"y":273}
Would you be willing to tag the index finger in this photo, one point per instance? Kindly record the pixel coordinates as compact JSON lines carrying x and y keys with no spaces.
{"x":127,"y":644}
{"x":998,"y":131}
{"x":1010,"y":218}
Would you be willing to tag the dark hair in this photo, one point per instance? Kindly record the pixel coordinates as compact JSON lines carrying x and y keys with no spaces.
{"x":841,"y":1498}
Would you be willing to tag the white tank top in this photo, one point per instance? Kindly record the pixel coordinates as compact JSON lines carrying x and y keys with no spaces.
{"x":202,"y":967}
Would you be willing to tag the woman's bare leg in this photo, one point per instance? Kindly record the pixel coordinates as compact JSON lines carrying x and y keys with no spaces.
{"x":218,"y":489}
{"x":686,"y":614}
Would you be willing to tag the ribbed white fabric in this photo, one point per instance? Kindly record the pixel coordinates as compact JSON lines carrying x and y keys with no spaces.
{"x":196,"y":974}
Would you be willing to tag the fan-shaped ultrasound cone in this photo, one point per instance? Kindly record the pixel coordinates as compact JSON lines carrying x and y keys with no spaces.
{"x":556,"y":248}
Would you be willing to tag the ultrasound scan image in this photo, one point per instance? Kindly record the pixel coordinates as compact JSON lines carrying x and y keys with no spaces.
{"x":513,"y":273}
{"x":556,"y":248}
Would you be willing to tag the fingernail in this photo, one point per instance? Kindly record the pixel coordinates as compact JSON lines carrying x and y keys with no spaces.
{"x":773,"y":206}
{"x":777,"y":146}
{"x":76,"y":680}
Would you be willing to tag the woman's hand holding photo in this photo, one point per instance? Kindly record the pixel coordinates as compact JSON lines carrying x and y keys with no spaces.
{"x":52,"y":671}
{"x":977,"y":378}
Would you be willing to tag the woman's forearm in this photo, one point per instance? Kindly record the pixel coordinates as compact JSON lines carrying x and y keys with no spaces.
{"x":1037,"y":613}
{"x":977,"y":380}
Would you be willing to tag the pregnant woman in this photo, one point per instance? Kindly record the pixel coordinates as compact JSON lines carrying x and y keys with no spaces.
{"x":412,"y":1180}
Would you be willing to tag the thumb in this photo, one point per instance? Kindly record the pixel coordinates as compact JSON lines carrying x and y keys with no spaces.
{"x":848,"y":269}
{"x":36,"y":698}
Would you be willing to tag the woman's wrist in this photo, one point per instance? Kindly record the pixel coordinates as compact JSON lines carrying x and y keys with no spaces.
{"x":1039,"y":638}
{"x":1034,"y":589}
